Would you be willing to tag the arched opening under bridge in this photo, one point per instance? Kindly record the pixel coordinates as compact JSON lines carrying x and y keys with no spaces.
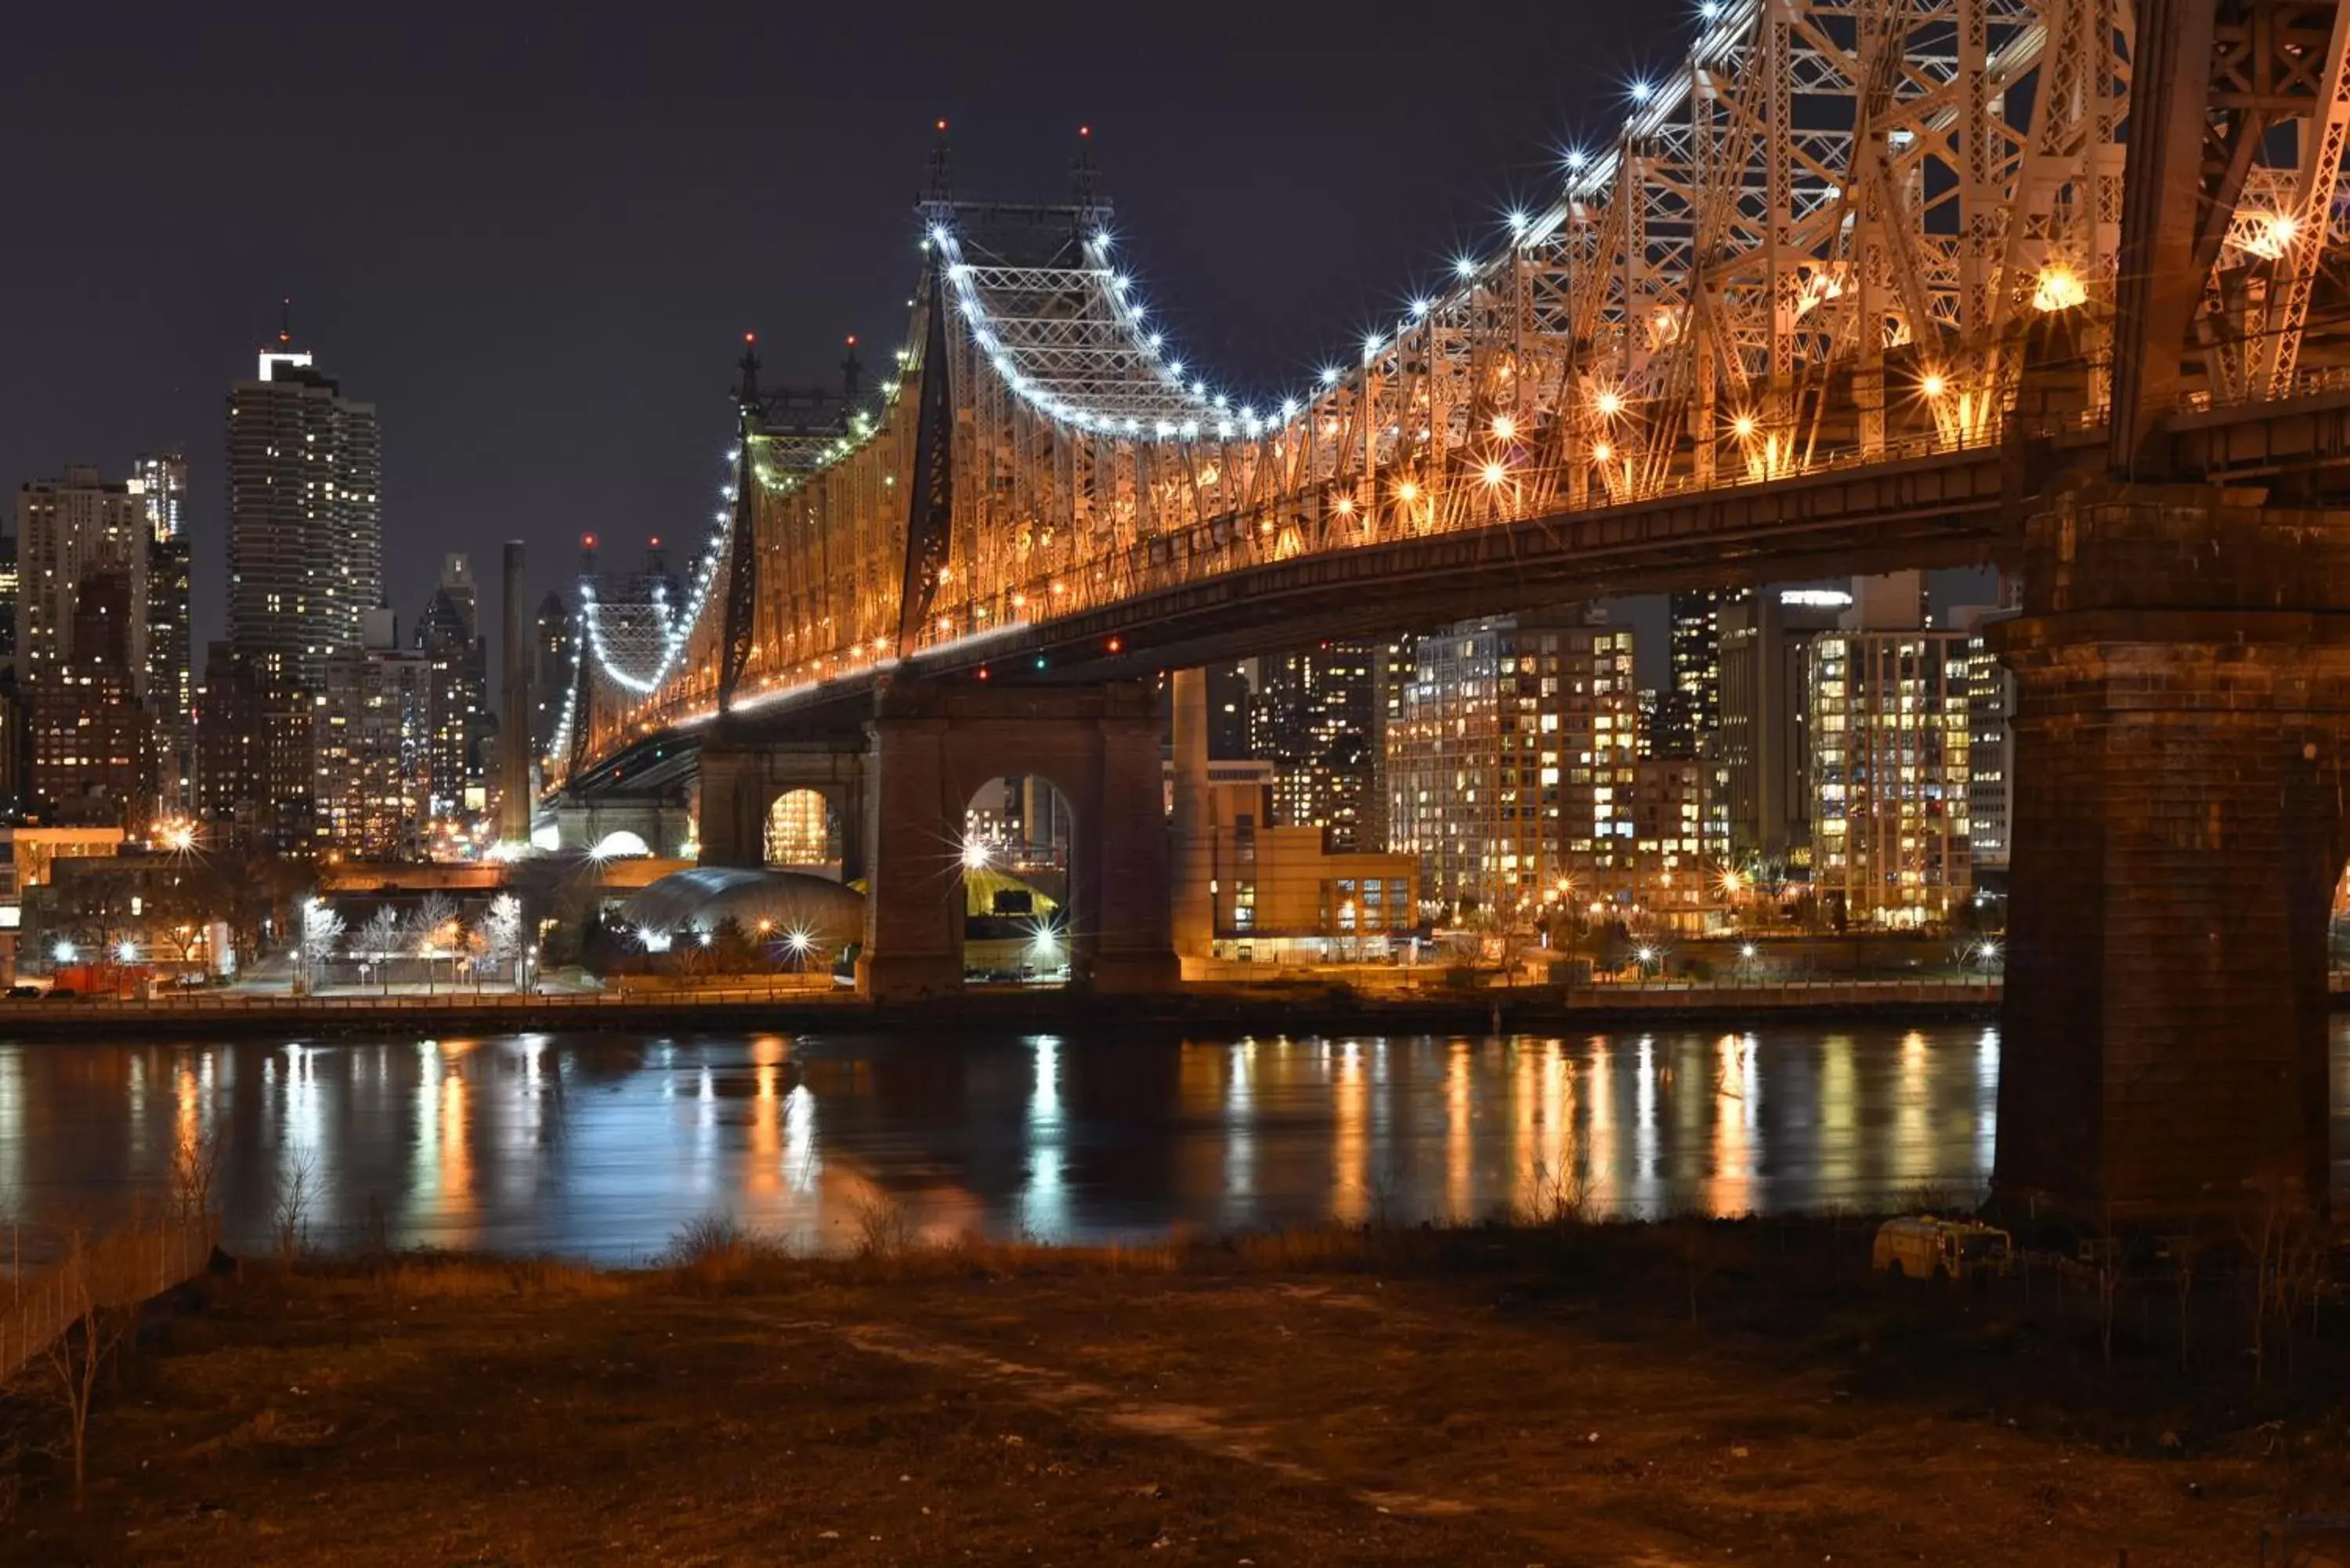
{"x":803,"y":832}
{"x":1017,"y":843}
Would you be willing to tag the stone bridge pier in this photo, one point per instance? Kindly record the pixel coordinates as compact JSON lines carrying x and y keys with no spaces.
{"x":2183,"y":709}
{"x":742,"y":779}
{"x":933,"y":745}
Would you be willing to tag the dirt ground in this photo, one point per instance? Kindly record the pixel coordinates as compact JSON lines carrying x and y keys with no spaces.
{"x":1464,"y":1402}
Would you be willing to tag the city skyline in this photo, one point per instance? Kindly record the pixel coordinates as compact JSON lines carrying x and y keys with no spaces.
{"x":680,"y":220}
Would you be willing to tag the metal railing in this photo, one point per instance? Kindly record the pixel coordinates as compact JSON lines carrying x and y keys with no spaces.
{"x":205,"y":1003}
{"x":119,"y":1269}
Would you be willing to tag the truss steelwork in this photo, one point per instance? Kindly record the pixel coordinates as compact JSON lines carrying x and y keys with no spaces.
{"x":1840,"y":233}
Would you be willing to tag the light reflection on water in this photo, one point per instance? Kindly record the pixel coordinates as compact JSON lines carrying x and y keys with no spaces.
{"x":603,"y":1146}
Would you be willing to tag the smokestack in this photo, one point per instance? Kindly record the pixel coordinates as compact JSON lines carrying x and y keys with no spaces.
{"x":513,"y":725}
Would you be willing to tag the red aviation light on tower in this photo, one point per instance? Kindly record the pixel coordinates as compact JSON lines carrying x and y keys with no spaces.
{"x":587,"y":541}
{"x":942,"y":125}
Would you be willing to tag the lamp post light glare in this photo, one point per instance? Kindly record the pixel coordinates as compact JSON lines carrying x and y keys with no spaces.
{"x":63,"y":952}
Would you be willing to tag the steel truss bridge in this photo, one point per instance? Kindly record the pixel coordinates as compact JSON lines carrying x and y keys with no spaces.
{"x":1853,"y":278}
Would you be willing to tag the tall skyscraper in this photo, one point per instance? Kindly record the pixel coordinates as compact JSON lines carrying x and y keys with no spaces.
{"x":513,"y":701}
{"x":1763,"y":746}
{"x":1311,"y":718}
{"x":550,"y":675}
{"x":162,"y":485}
{"x":305,"y":518}
{"x":1688,"y":709}
{"x":448,"y":634}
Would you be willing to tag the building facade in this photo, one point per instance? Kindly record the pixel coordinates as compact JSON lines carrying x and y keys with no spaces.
{"x":1890,"y":728}
{"x":1311,"y":718}
{"x":305,"y":518}
{"x":1688,"y":709}
{"x":449,"y":637}
{"x":370,"y":746}
{"x":255,"y":773}
{"x":1763,"y":748}
{"x":550,"y":673}
{"x":1990,"y":743}
{"x":162,"y":483}
{"x":1503,"y":767}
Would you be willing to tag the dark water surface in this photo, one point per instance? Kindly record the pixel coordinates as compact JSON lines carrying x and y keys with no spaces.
{"x":602,"y":1145}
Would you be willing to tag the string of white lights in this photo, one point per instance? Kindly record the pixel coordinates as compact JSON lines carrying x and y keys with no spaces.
{"x":677,"y":628}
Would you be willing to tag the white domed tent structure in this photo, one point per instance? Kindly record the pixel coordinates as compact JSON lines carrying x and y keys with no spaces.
{"x":701,"y":897}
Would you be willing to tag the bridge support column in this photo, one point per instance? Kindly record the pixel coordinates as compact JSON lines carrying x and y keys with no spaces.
{"x":742,"y":779}
{"x":934,"y":746}
{"x":1194,"y":860}
{"x":2183,"y":712}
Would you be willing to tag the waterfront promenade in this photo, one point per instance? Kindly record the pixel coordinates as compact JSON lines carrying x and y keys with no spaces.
{"x":816,"y":1002}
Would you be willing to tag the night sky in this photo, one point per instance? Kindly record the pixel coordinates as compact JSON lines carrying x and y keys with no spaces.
{"x":534,"y":235}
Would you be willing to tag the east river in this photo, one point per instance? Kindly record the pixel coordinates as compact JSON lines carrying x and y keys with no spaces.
{"x":601,"y":1146}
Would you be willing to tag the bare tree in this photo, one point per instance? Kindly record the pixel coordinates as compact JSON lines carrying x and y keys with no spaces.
{"x":196,"y":1169}
{"x":377,"y":939}
{"x":500,"y":935}
{"x":322,"y":933}
{"x":95,"y":1331}
{"x":289,"y":1217}
{"x":431,"y":932}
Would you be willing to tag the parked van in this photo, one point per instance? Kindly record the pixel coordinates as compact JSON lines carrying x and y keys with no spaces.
{"x":1929,"y":1248}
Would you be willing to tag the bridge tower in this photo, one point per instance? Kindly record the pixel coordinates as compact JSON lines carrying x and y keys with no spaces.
{"x":2183,"y":712}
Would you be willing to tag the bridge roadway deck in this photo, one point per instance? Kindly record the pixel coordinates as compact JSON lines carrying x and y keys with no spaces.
{"x":1957,"y":507}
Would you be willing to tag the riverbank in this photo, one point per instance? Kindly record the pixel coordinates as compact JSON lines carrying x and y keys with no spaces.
{"x":1296,"y":1008}
{"x":1556,"y":1394}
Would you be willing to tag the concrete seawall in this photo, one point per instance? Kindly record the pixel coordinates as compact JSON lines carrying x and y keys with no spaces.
{"x":1249,"y":1009}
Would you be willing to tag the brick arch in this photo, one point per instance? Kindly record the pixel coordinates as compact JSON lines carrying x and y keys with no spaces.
{"x":935,"y":745}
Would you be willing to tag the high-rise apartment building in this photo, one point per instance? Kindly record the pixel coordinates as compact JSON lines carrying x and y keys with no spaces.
{"x":1688,"y":709}
{"x":1232,"y":689}
{"x":305,"y":518}
{"x":66,"y":529}
{"x":255,"y":773}
{"x":1990,"y":743}
{"x":162,"y":485}
{"x":371,"y":750}
{"x":1890,"y":781}
{"x":82,"y":645}
{"x":88,"y":730}
{"x":1311,"y":718}
{"x":14,"y":761}
{"x":1763,"y":745}
{"x":1494,"y":763}
{"x":1392,"y":677}
{"x":1659,"y":879}
{"x":449,"y":635}
{"x":1600,"y":726}
{"x":550,"y":674}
